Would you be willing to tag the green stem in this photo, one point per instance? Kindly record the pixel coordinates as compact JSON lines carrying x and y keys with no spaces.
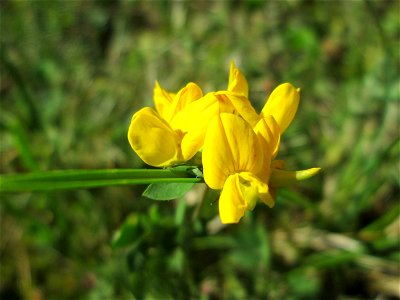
{"x":78,"y":179}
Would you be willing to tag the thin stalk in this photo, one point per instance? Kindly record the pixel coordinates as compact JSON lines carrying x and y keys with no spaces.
{"x":83,"y":179}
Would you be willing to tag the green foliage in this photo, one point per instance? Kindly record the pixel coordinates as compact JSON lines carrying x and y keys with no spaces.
{"x":72,"y":74}
{"x":167,"y":191}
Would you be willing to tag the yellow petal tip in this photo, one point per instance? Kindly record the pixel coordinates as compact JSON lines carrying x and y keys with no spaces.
{"x":286,"y":178}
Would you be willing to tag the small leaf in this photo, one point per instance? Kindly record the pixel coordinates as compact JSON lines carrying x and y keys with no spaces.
{"x":167,"y":191}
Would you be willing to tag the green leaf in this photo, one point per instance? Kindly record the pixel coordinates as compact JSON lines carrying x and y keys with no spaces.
{"x":167,"y":191}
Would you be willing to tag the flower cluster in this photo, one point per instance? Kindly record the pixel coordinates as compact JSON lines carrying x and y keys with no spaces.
{"x":238,"y":145}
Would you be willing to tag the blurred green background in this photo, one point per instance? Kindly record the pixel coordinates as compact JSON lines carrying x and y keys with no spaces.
{"x":74,"y":72}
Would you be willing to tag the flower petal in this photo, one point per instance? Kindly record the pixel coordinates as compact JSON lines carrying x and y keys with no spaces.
{"x":282,"y":105}
{"x":268,"y":198}
{"x":200,"y":111}
{"x":194,"y":119}
{"x":252,"y":188}
{"x":154,"y":141}
{"x":232,"y":205}
{"x":242,"y":106}
{"x":240,"y":193}
{"x":230,"y":146}
{"x":267,"y":129}
{"x":162,"y":100}
{"x":237,"y":81}
{"x":191,"y":92}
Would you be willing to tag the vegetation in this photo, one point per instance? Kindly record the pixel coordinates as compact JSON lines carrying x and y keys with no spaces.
{"x":74,"y":72}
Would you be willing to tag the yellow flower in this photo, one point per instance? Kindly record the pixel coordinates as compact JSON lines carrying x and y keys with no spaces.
{"x":229,"y":138}
{"x":276,"y":115}
{"x":175,"y":132}
{"x":232,"y":158}
{"x":155,"y":137}
{"x":239,"y":145}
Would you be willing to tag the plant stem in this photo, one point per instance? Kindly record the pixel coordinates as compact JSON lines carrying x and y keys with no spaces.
{"x":78,"y":179}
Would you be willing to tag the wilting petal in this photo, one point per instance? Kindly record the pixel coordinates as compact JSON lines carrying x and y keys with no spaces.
{"x":230,"y":146}
{"x":237,"y":81}
{"x":162,"y":100}
{"x":154,"y":141}
{"x":232,"y":205}
{"x":282,"y":105}
{"x":286,"y":178}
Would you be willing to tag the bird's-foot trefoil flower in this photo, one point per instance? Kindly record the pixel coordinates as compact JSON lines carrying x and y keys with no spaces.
{"x":276,"y":115}
{"x":232,"y":158}
{"x":154,"y":135}
{"x":175,"y":131}
{"x":239,"y":146}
